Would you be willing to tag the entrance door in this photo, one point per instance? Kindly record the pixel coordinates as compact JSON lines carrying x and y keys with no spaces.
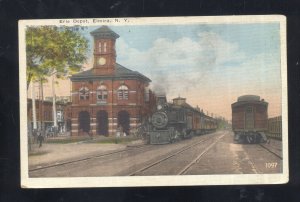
{"x":249,"y":118}
{"x":68,"y":125}
{"x":124,"y":121}
{"x":102,"y":123}
{"x":84,"y":121}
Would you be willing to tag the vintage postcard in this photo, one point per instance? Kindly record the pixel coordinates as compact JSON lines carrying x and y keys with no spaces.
{"x":171,"y":101}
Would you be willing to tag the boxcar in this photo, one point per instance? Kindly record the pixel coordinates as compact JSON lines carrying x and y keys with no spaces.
{"x":250,"y":119}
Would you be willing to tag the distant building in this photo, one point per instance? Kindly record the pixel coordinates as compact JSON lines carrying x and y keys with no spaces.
{"x":108,"y":96}
{"x":61,"y":99}
{"x":44,"y":114}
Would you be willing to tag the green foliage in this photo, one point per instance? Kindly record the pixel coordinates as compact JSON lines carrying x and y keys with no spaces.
{"x":52,"y":49}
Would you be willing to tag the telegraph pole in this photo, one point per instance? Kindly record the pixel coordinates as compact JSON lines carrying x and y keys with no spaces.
{"x":54,"y":104}
{"x":42,"y":107}
{"x":33,"y":106}
{"x":34,"y":125}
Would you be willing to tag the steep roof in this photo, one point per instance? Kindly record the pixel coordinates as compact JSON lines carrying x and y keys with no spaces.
{"x":121,"y":72}
{"x":104,"y":32}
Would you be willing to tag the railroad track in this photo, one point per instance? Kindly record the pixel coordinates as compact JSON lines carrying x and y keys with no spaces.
{"x":179,"y":152}
{"x":185,"y":169}
{"x":129,"y":148}
{"x":272,"y":152}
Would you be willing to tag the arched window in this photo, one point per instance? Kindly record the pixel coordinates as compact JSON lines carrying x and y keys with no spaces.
{"x":101,"y":93}
{"x":99,"y":47}
{"x":84,"y":93}
{"x":123,"y":92}
{"x":104,"y":47}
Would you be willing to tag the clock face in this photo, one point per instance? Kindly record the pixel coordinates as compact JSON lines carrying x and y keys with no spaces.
{"x":101,"y":61}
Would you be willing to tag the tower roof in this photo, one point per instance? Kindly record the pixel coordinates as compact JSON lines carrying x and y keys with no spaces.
{"x":104,"y":32}
{"x":120,"y":73}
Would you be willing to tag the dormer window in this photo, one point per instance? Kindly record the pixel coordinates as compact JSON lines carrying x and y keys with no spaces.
{"x":84,"y":93}
{"x":123,"y":92}
{"x":102,"y":93}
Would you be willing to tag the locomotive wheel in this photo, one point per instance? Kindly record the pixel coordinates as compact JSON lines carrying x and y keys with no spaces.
{"x":250,"y":139}
{"x":237,"y":138}
{"x":184,"y":135}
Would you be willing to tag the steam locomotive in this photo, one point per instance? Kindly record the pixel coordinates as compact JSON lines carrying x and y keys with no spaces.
{"x":250,"y":119}
{"x":178,"y":120}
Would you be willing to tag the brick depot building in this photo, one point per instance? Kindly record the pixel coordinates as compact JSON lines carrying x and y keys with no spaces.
{"x":108,"y":96}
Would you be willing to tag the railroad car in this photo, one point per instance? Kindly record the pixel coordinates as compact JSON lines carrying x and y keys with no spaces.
{"x":249,"y":119}
{"x":177,"y":120}
{"x":275,"y":127}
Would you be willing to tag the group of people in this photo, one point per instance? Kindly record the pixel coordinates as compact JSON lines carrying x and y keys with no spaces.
{"x":120,"y":132}
{"x":39,"y":135}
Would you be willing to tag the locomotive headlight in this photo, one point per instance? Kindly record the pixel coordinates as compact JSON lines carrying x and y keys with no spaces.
{"x":159,"y":107}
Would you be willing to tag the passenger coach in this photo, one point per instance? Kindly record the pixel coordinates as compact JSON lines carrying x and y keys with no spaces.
{"x":250,"y":119}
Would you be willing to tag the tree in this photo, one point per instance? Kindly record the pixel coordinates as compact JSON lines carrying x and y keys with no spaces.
{"x":52,"y":49}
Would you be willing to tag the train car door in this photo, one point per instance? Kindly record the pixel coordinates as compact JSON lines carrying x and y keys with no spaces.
{"x":249,"y":118}
{"x":189,"y":120}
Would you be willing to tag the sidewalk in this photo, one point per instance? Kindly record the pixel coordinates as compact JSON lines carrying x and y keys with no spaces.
{"x":51,"y":153}
{"x":275,"y":144}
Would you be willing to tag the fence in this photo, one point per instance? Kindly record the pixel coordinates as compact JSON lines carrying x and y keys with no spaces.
{"x":275,"y":127}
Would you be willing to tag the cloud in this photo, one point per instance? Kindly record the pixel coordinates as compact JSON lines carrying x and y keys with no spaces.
{"x":184,"y":63}
{"x":210,"y":71}
{"x":219,"y":51}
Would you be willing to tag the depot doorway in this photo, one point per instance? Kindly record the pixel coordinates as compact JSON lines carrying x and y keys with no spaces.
{"x":84,"y":121}
{"x":102,"y":123}
{"x":124,"y":121}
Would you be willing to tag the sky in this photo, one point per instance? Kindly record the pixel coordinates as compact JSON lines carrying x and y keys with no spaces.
{"x":210,"y":65}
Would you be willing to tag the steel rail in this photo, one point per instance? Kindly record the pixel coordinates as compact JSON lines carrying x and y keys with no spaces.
{"x":184,"y":170}
{"x":266,"y":148}
{"x":167,"y":157}
{"x":88,"y":158}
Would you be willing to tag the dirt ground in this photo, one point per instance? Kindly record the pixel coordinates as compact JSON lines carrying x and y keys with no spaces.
{"x":55,"y":153}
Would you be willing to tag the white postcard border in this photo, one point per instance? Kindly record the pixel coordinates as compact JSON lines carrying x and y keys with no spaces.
{"x":134,"y":181}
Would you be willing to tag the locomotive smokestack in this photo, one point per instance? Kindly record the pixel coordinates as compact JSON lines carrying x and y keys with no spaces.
{"x":161,"y":99}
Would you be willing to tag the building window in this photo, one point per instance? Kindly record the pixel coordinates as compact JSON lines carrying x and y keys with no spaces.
{"x":45,"y":115}
{"x":84,"y":93}
{"x":102,"y":94}
{"x":249,"y":109}
{"x":99,"y":47}
{"x":104,"y":47}
{"x":123,"y":92}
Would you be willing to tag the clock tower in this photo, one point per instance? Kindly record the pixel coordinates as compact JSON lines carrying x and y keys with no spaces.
{"x":104,"y":51}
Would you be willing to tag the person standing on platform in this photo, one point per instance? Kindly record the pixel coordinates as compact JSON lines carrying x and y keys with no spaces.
{"x":40,"y":139}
